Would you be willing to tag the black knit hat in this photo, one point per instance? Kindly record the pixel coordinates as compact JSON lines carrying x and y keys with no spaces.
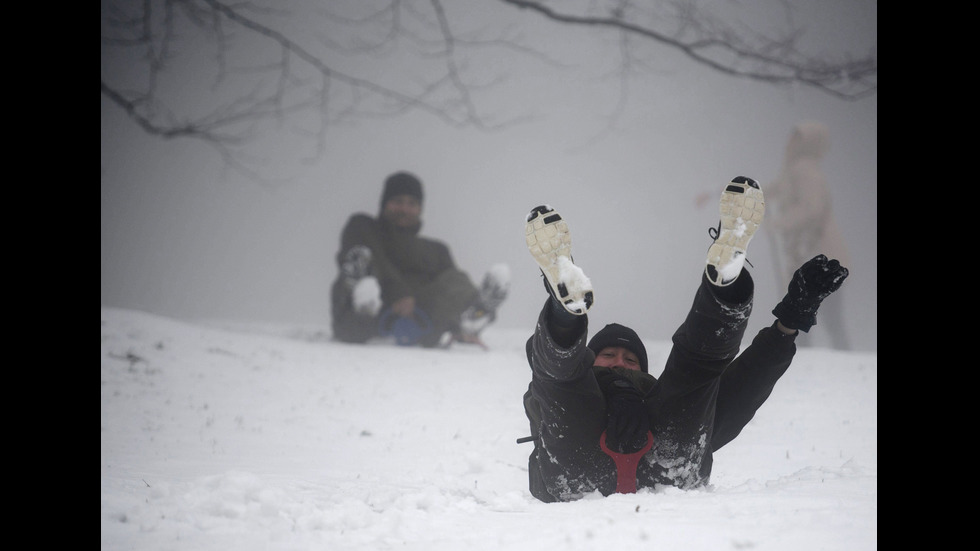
{"x":401,"y":183}
{"x":615,"y":334}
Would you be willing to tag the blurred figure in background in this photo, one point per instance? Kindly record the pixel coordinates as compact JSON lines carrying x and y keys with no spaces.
{"x":394,"y":283}
{"x":803,"y":223}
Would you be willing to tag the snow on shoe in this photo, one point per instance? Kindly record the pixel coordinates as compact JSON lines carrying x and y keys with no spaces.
{"x":550,"y":243}
{"x":367,"y":296}
{"x":741,"y":206}
{"x":495,"y":286}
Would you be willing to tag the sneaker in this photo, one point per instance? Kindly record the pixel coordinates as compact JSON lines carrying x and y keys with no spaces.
{"x":366,"y":296}
{"x":495,"y":286}
{"x":356,"y":263}
{"x":550,"y":243}
{"x":474,"y":320}
{"x":365,"y":290}
{"x":742,"y":207}
{"x":493,"y":291}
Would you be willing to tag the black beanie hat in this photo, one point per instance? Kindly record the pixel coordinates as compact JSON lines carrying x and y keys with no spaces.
{"x":615,"y":334}
{"x":401,"y":183}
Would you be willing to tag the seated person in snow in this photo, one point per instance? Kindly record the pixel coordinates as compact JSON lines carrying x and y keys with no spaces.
{"x":600,"y":421}
{"x":394,"y":282}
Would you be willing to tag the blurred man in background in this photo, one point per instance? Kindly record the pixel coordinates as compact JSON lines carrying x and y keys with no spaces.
{"x":394,"y":282}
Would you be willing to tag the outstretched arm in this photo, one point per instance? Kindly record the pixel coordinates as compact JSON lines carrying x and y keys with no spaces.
{"x":812,"y":283}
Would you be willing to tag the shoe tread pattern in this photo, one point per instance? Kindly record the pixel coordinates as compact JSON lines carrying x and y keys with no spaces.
{"x":548,"y":240}
{"x":742,"y":207}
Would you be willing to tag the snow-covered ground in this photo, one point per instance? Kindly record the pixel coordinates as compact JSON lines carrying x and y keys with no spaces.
{"x":225,"y":437}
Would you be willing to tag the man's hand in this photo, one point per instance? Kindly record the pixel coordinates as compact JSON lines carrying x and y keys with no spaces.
{"x":627,"y":419}
{"x":404,"y":307}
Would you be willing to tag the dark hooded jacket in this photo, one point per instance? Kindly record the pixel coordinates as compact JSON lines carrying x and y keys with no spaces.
{"x":405,"y":264}
{"x":403,"y":261}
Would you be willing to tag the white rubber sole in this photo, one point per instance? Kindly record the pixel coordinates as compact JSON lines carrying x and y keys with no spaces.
{"x":742,"y":207}
{"x":550,"y":243}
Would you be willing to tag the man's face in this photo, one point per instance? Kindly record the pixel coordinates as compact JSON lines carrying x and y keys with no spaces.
{"x":403,"y":211}
{"x":617,"y":356}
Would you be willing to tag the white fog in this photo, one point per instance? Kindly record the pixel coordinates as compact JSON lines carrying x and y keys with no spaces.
{"x":198,"y":254}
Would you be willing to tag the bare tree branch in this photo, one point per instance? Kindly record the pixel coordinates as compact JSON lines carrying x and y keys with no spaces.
{"x":775,"y":62}
{"x":225,"y":72}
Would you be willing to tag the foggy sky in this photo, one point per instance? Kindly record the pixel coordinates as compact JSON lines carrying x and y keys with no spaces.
{"x":182,"y":236}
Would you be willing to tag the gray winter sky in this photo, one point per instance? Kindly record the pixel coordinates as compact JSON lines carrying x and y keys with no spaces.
{"x":183,"y":236}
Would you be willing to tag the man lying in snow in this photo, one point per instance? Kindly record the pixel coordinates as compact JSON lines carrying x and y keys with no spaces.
{"x":600,"y":421}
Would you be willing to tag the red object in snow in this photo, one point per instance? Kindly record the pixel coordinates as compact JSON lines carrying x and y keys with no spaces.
{"x":626,"y":464}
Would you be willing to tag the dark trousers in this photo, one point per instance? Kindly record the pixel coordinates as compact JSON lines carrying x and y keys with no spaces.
{"x":442,"y":300}
{"x":706,"y":394}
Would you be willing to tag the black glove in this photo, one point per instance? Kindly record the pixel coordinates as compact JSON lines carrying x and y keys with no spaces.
{"x":812,"y":283}
{"x":627,"y":419}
